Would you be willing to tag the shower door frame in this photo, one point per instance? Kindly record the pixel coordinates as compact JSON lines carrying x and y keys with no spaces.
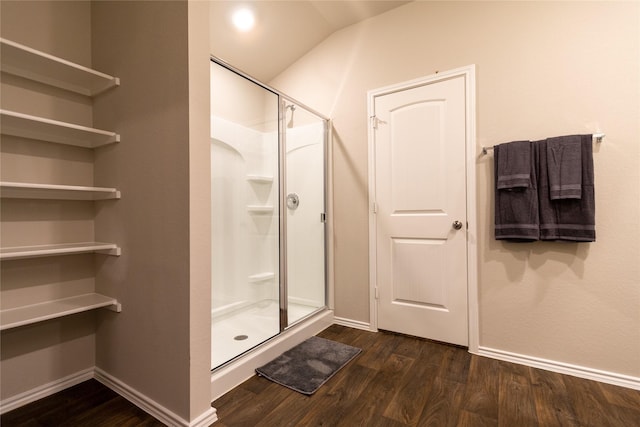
{"x":282,"y":175}
{"x":282,"y":232}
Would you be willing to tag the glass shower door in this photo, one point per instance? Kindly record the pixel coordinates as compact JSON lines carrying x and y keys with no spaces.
{"x":305,"y":211}
{"x":244,"y":213}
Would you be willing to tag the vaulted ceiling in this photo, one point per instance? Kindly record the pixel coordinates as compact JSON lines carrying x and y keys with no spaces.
{"x":284,"y":30}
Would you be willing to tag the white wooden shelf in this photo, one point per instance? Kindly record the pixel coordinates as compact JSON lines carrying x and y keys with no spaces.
{"x":23,"y":190}
{"x":261,"y":277}
{"x":33,"y":127}
{"x":261,"y":179}
{"x":26,"y":315}
{"x":259,"y":209}
{"x":19,"y":252}
{"x":42,"y":67}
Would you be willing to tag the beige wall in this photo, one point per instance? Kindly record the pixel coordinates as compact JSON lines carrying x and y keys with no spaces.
{"x":199,"y":211}
{"x":45,"y":352}
{"x":60,"y":28}
{"x":160,"y":343}
{"x":241,"y":101}
{"x":543,"y":69}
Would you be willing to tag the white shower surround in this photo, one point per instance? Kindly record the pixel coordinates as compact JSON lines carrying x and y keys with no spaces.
{"x":238,"y":153}
{"x":245,"y":221}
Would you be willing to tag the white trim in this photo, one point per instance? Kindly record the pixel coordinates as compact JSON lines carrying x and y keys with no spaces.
{"x":472,"y":222}
{"x":44,"y":390}
{"x":330,"y":225}
{"x":150,"y":406}
{"x":373,"y":259}
{"x":205,"y":419}
{"x":356,"y":324}
{"x":469,"y":73}
{"x":140,"y":400}
{"x":241,"y":369}
{"x":562,"y":368}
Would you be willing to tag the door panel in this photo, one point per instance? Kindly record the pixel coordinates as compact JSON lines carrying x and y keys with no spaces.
{"x":415,"y":262}
{"x":420,"y":192}
{"x":413,"y":162}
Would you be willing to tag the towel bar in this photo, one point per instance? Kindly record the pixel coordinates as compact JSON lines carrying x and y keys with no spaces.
{"x":598,"y":137}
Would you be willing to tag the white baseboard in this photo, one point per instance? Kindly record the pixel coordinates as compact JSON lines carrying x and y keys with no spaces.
{"x":135,"y":397}
{"x":44,"y":390}
{"x":562,"y":368}
{"x":356,"y":324}
{"x":150,"y":406}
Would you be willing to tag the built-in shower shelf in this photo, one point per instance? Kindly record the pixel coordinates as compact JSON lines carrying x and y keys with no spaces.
{"x":259,"y":210}
{"x":261,"y":277}
{"x":26,"y":315}
{"x":261,"y":179}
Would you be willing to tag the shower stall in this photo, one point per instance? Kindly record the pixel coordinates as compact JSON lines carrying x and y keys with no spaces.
{"x":268,"y":157}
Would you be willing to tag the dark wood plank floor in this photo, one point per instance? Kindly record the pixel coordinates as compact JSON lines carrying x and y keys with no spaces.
{"x":396,"y":381}
{"x":86,"y":404}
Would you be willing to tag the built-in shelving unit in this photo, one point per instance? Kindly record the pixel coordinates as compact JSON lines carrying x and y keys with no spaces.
{"x":41,"y":67}
{"x":20,"y":252}
{"x":33,"y":127}
{"x":33,"y":64}
{"x":28,"y":314}
{"x":23,"y":190}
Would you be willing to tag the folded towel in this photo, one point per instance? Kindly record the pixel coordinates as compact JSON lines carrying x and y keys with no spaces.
{"x":564,"y":166}
{"x":516,"y":208}
{"x":514,"y":165}
{"x":567,"y":219}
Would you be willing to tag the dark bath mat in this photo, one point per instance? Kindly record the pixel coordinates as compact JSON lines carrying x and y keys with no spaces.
{"x":308,"y":365}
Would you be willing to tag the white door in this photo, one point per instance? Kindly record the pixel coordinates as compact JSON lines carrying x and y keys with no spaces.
{"x":420,"y":203}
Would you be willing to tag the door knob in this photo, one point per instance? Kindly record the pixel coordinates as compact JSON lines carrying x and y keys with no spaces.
{"x":457,"y":225}
{"x":293,"y":201}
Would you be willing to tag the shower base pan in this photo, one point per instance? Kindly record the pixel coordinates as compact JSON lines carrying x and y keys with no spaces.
{"x":234,"y":333}
{"x":240,"y":369}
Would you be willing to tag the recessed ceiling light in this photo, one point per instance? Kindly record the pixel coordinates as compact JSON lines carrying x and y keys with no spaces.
{"x":243,"y":19}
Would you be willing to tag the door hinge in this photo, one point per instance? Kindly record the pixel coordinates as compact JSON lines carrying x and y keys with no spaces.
{"x":377,"y":295}
{"x":375,"y":121}
{"x":323,"y":217}
{"x":374,"y":208}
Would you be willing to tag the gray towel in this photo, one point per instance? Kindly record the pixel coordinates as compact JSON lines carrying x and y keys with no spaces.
{"x":564,"y":166}
{"x":516,"y":208}
{"x":514,"y":165}
{"x":567,"y":219}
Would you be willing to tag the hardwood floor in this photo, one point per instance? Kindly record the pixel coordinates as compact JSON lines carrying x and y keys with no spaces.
{"x":396,"y":381}
{"x":86,"y":404}
{"x":406,"y":381}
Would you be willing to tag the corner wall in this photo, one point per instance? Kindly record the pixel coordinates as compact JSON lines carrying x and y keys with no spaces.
{"x":543,"y":69}
{"x":199,"y":215}
{"x":159,"y":345}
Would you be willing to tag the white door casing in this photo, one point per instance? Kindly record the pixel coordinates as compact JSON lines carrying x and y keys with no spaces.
{"x":422,"y":267}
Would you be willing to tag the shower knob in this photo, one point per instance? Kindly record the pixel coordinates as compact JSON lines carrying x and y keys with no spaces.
{"x":293,"y":201}
{"x":457,"y":225}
